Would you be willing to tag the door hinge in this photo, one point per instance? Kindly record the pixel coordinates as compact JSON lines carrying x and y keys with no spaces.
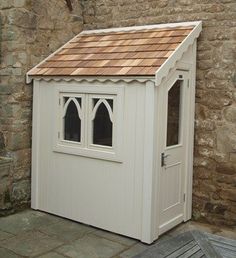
{"x":184,"y":197}
{"x":59,"y":101}
{"x":58,"y":135}
{"x":188,"y":83}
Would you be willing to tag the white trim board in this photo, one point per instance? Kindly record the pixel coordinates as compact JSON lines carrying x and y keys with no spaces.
{"x":163,"y":71}
{"x":152,"y":26}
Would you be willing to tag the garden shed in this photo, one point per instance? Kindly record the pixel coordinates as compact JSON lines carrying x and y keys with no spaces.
{"x":113,"y":126}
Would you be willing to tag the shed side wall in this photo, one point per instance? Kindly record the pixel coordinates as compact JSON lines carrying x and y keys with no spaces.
{"x":98,"y":192}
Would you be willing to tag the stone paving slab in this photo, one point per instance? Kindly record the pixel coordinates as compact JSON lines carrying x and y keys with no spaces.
{"x":30,"y":243}
{"x":5,"y":235}
{"x":91,"y":246}
{"x":134,"y":250}
{"x":115,"y":237}
{"x":66,"y":230}
{"x":52,"y":255}
{"x":4,"y":253}
{"x":26,"y":220}
{"x":141,"y":247}
{"x":37,"y":234}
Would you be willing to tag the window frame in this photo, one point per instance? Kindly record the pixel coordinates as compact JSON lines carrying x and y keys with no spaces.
{"x":92,"y":116}
{"x":181,"y":111}
{"x":85,"y":147}
{"x":63,"y":113}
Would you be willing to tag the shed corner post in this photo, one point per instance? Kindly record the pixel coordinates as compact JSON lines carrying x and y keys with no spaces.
{"x":189,"y":183}
{"x":147,"y":232}
{"x":35,"y":145}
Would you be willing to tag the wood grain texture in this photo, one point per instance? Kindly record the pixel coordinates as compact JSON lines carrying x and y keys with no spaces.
{"x":194,"y":244}
{"x":137,"y":53}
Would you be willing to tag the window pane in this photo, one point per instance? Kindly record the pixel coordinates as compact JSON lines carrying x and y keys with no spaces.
{"x":102,"y":127}
{"x":72,"y":123}
{"x":109,"y":101}
{"x":173,"y":119}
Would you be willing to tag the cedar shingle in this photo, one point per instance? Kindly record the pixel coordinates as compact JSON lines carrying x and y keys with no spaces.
{"x":139,"y":52}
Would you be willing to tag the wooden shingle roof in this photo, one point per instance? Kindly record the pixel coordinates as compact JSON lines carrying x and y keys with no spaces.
{"x":135,"y":52}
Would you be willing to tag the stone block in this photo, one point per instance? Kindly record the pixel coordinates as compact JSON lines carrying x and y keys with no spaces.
{"x":17,"y":71}
{"x":205,"y":139}
{"x":232,"y":157}
{"x":226,"y":168}
{"x":230,"y":114}
{"x":204,"y":162}
{"x":19,"y":3}
{"x":31,"y":243}
{"x":18,"y":140}
{"x":115,"y":237}
{"x":202,"y":173}
{"x":67,"y":230}
{"x":92,"y":247}
{"x":206,"y":125}
{"x":21,"y":191}
{"x":5,"y":185}
{"x":6,"y":71}
{"x":226,"y":139}
{"x":4,"y":4}
{"x":4,"y":235}
{"x":22,"y":18}
{"x":7,"y":253}
{"x":22,"y":57}
{"x":134,"y":250}
{"x":224,"y":179}
{"x":21,"y":158}
{"x":214,"y":99}
{"x":228,"y":194}
{"x":52,"y":255}
{"x":27,"y":220}
{"x":2,"y":142}
{"x":9,"y":35}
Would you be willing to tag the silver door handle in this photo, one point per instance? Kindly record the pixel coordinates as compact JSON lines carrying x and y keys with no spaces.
{"x":163,"y":159}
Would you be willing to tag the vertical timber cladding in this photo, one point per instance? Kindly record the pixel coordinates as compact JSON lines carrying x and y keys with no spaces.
{"x":214,"y":193}
{"x":30,"y":30}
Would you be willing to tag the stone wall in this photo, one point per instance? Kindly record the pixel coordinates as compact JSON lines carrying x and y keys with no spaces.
{"x":214,"y":193}
{"x":30,"y":31}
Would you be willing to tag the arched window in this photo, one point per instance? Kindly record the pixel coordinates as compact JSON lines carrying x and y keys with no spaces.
{"x":102,"y":122}
{"x":89,"y":123}
{"x":72,"y":119}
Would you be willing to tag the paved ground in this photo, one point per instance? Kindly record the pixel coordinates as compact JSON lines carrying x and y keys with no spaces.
{"x":37,"y":234}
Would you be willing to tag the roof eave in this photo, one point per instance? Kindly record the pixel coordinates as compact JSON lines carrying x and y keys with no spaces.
{"x":90,"y":78}
{"x":163,"y":71}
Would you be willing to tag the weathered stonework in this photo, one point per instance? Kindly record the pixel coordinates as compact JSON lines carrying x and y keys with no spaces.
{"x":33,"y":29}
{"x":30,"y":31}
{"x":5,"y":186}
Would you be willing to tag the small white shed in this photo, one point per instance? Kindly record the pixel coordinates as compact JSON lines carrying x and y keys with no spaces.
{"x":113,"y":125}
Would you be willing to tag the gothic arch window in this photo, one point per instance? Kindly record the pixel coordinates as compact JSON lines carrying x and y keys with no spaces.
{"x":72,"y":119}
{"x":102,"y":122}
{"x":89,"y":123}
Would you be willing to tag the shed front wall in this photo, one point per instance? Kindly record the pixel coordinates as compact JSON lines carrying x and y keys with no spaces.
{"x":106,"y":194}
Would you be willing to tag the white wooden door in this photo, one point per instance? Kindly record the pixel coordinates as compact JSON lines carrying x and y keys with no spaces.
{"x":173,"y":150}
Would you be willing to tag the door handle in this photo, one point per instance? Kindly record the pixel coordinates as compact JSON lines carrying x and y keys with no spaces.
{"x":163,"y":159}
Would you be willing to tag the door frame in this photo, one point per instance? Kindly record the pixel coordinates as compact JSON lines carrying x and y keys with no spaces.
{"x":188,"y":173}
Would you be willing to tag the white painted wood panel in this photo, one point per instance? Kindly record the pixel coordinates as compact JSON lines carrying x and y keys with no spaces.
{"x":102,"y":193}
